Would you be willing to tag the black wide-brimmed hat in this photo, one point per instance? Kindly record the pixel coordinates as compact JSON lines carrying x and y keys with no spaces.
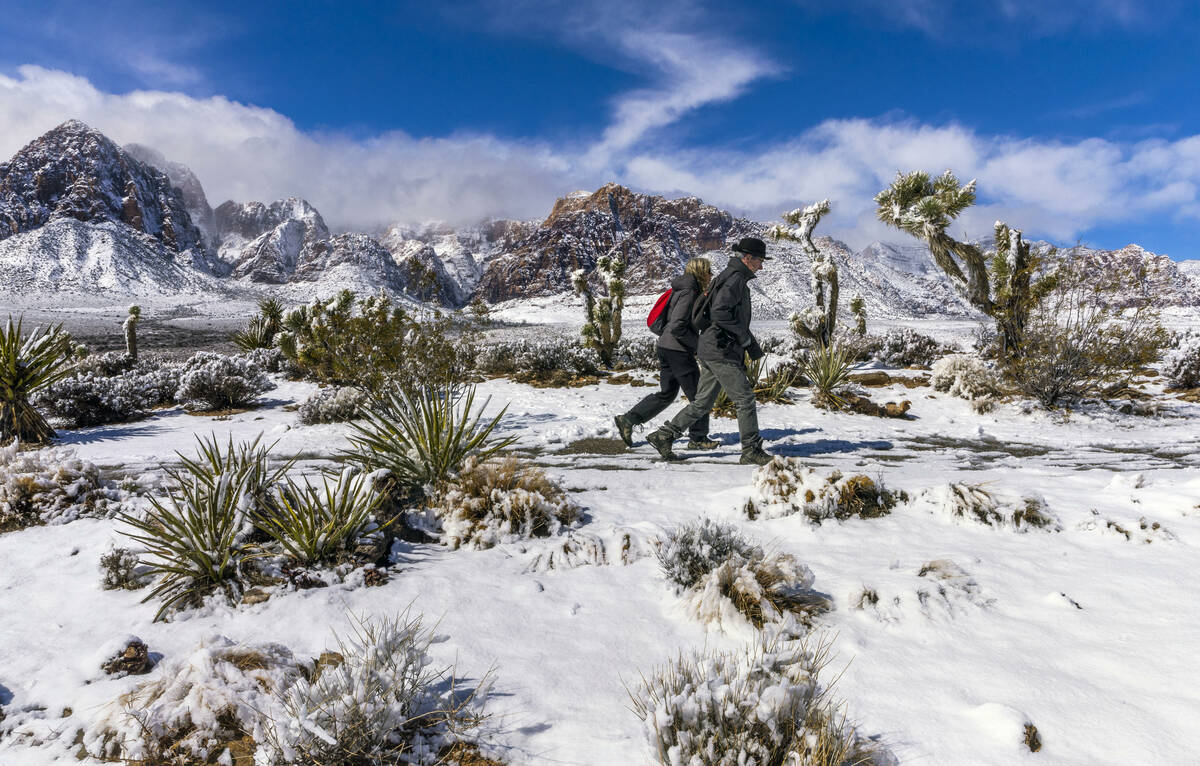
{"x":752,"y":246}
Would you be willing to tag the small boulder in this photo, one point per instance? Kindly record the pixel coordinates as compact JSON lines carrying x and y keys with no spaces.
{"x":872,"y":378}
{"x":255,"y":596}
{"x":132,"y":660}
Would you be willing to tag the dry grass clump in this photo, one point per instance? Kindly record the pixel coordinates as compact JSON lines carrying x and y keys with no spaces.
{"x":499,"y":500}
{"x":49,"y":486}
{"x":584,"y":547}
{"x":784,"y":486}
{"x":763,"y":705}
{"x":978,"y":503}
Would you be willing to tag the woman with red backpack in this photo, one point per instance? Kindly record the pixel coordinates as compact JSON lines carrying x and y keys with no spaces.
{"x":676,"y":358}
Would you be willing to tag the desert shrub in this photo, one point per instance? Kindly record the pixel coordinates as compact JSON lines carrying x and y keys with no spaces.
{"x":784,"y":486}
{"x":499,"y":500}
{"x":372,"y":343}
{"x":977,"y":503}
{"x":1181,"y":366}
{"x":268,"y":359}
{"x":50,"y":486}
{"x":760,"y":705}
{"x":208,"y":707}
{"x":383,"y":703}
{"x":731,"y":583}
{"x":904,"y":346}
{"x":591,"y":547}
{"x":121,"y":570}
{"x":315,"y":524}
{"x":421,"y":438}
{"x":965,"y":376}
{"x":1090,"y":333}
{"x":91,"y":396}
{"x":694,"y":550}
{"x":333,"y":405}
{"x":828,"y":371}
{"x":108,"y":364}
{"x":637,"y":354}
{"x":538,"y":362}
{"x":29,"y":363}
{"x":214,"y":381}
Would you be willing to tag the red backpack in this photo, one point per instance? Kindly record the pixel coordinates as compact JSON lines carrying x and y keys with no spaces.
{"x":657,"y":321}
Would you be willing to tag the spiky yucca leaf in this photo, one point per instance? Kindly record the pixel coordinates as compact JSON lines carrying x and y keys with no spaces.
{"x":28,"y":364}
{"x":258,"y":334}
{"x":313,"y":523}
{"x":423,"y":437}
{"x":828,"y":367}
{"x":247,"y":461}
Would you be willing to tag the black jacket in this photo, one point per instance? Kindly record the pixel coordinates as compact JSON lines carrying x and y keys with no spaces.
{"x":729,"y":335}
{"x":679,"y":334}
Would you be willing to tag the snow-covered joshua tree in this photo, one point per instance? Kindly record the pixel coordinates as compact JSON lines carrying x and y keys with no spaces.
{"x":816,"y":323}
{"x":924,"y":207}
{"x":602,"y":315}
{"x":130,"y":326}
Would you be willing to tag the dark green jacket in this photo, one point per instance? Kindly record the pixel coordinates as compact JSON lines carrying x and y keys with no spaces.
{"x":729,"y":335}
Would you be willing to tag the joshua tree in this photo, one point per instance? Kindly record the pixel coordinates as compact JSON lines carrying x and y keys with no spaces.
{"x":859,"y":309}
{"x":27,"y":364}
{"x":816,"y":323}
{"x":924,"y":207}
{"x":602,"y":316}
{"x":131,"y":323}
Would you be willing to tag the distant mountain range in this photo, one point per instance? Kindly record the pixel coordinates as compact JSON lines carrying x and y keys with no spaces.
{"x":80,"y":215}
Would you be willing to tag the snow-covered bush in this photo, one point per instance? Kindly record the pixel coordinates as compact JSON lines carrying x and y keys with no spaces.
{"x":333,"y":405}
{"x":977,"y":503}
{"x":121,"y":571}
{"x":548,"y":361}
{"x":92,"y":397}
{"x":729,"y":582}
{"x":50,"y":486}
{"x":784,"y":486}
{"x":499,"y":500}
{"x":1181,"y":366}
{"x":694,"y":550}
{"x":639,"y":353}
{"x":904,"y":346}
{"x":200,"y":708}
{"x":760,"y":705}
{"x":965,"y":376}
{"x":382,"y":704}
{"x":214,"y":381}
{"x":108,"y":364}
{"x":589,"y":547}
{"x":269,"y":359}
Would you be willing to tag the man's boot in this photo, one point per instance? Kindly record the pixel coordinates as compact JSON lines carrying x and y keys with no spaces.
{"x":624,"y":429}
{"x":704,"y":443}
{"x":661,"y":441}
{"x":756,"y":455}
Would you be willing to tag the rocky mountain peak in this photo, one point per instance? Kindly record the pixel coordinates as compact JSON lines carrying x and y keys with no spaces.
{"x":76,"y":172}
{"x":182,"y":178}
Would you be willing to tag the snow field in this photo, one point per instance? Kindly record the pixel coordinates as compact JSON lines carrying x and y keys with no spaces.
{"x":945,"y":679}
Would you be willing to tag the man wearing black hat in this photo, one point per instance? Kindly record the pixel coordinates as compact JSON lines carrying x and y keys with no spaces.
{"x":720,"y":353}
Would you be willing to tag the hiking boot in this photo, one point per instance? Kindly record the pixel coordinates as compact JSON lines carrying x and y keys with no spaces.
{"x":662,"y":442}
{"x":756,"y":456}
{"x":624,"y":429}
{"x":703,"y":444}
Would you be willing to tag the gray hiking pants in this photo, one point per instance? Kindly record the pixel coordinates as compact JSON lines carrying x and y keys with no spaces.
{"x":713,"y":377}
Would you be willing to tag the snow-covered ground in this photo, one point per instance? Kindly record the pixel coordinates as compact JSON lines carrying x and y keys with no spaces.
{"x":1090,"y":633}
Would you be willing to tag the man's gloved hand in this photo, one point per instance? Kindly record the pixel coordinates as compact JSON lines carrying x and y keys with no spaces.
{"x":753,"y":349}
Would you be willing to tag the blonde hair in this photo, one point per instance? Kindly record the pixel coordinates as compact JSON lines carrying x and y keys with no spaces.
{"x":700,"y":268}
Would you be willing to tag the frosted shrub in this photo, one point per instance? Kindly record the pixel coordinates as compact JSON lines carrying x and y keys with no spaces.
{"x":50,"y":486}
{"x":729,"y":582}
{"x":121,"y":571}
{"x":761,"y":705}
{"x":333,"y":405}
{"x":639,"y":353}
{"x":500,"y":500}
{"x":965,"y":376}
{"x":213,"y":381}
{"x":268,"y":359}
{"x":383,"y":703}
{"x":199,"y":709}
{"x":546,"y":361}
{"x":784,"y":486}
{"x":978,"y":503}
{"x":588,"y":547}
{"x":694,"y":550}
{"x":1181,"y":367}
{"x":905,"y":346}
{"x":93,"y":397}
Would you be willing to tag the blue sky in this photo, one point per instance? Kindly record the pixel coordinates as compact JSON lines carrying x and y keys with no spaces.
{"x":1081,"y":120}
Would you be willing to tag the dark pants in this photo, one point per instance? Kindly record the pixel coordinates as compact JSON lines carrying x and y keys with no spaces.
{"x":678,"y":371}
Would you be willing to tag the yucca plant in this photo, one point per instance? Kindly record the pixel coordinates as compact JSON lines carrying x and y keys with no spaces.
{"x":313,"y":524}
{"x":247,"y":461}
{"x":258,"y":334}
{"x":828,"y":369}
{"x":422,"y":437}
{"x":191,"y":540}
{"x":27,"y":365}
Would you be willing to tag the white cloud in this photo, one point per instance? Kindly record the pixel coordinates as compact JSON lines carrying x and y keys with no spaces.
{"x":1052,"y":189}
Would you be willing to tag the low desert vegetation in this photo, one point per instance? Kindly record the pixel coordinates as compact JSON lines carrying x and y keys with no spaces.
{"x":109,"y":388}
{"x":905,"y":347}
{"x":1181,"y":365}
{"x":211,"y":381}
{"x":763,"y":705}
{"x":554,"y":362}
{"x":771,"y":386}
{"x":967,"y":377}
{"x":784,"y":487}
{"x":334,"y":404}
{"x":28,"y":363}
{"x":978,"y":503}
{"x":50,"y":486}
{"x":827,"y":369}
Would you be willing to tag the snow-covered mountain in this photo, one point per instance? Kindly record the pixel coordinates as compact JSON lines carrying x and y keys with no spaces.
{"x":80,"y":214}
